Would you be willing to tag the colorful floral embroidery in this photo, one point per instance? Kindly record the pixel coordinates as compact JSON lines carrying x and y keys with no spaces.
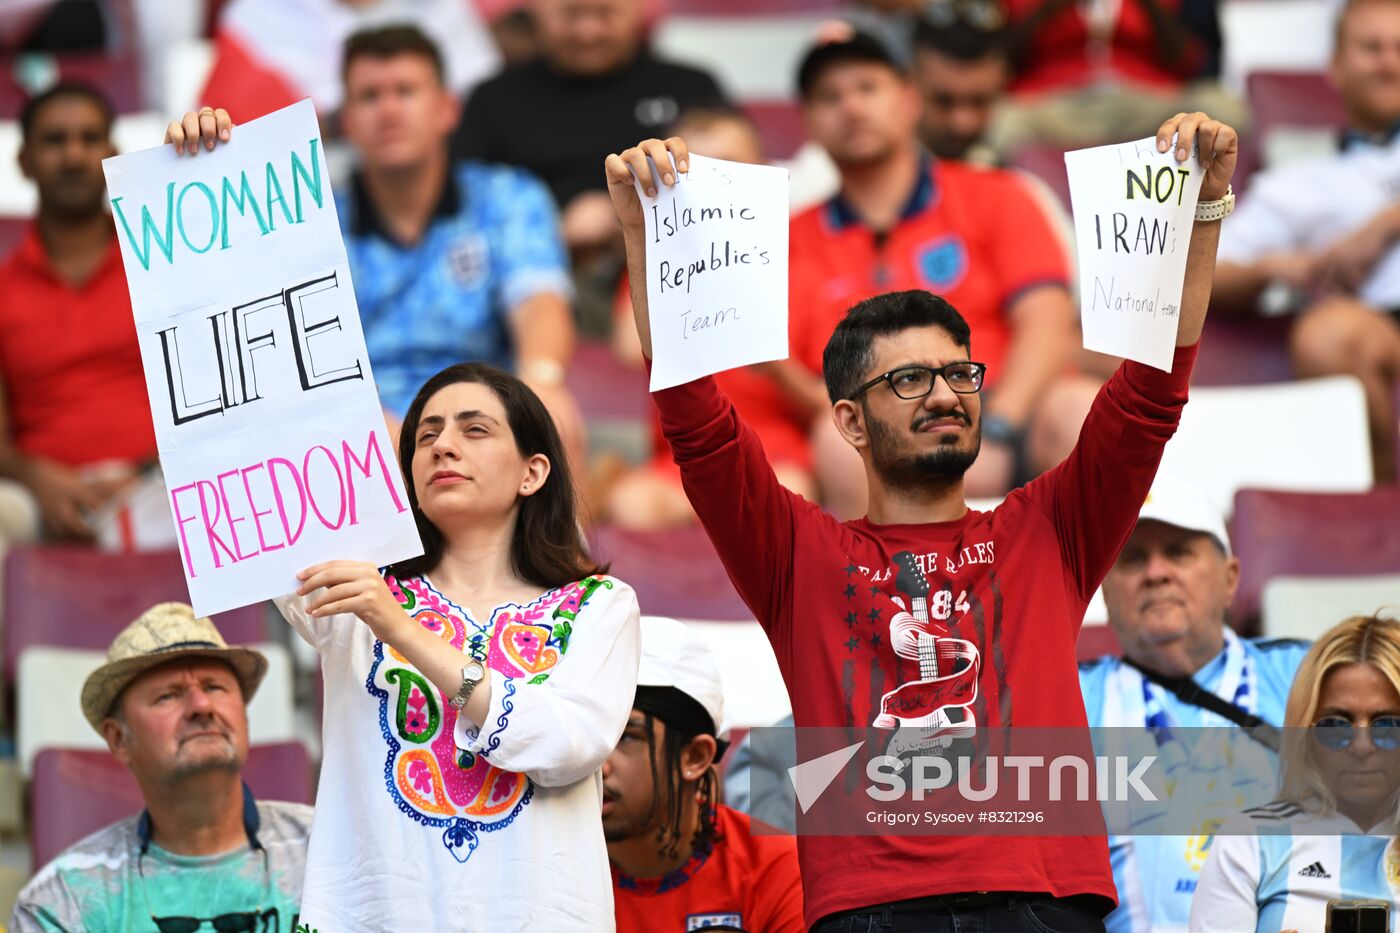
{"x":432,"y":780}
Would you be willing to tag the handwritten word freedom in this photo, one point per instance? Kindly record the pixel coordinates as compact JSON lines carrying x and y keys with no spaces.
{"x":322,"y":484}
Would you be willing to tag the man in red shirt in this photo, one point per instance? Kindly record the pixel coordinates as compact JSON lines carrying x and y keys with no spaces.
{"x":681,"y":861}
{"x":980,"y":237}
{"x":75,"y":423}
{"x":1097,"y":72}
{"x":850,"y":607}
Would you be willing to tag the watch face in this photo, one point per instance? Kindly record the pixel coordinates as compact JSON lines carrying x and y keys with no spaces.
{"x":475,"y":671}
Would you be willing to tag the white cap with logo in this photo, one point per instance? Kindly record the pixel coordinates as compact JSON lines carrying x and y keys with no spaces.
{"x":1184,"y":505}
{"x":674,"y":656}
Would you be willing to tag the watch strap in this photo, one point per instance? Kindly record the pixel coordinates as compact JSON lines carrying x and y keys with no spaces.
{"x":1208,"y":211}
{"x":464,"y":692}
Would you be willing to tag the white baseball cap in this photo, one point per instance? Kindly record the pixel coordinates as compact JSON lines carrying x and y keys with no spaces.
{"x":674,"y":656}
{"x":1184,"y":505}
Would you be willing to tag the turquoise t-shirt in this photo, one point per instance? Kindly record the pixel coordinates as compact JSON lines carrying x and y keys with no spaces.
{"x":95,"y":885}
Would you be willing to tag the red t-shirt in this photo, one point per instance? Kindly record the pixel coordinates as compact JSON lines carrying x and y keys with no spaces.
{"x":976,"y":236}
{"x":75,"y":391}
{"x":1023,"y":573}
{"x":748,"y":881}
{"x":1064,"y":56}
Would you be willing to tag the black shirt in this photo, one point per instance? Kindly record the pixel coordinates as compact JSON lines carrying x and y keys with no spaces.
{"x":562,"y":127}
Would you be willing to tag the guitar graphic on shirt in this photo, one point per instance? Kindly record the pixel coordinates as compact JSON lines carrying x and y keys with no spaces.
{"x":933,"y":709}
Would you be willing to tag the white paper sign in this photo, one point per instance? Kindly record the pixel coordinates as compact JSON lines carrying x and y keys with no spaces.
{"x":717,"y":270}
{"x":271,"y":438}
{"x":1133,"y":212}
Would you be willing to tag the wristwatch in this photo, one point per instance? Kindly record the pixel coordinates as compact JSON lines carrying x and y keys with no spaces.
{"x":997,"y":429}
{"x":1207,"y":211}
{"x":473,"y":674}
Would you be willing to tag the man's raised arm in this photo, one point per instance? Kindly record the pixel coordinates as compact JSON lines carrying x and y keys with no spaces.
{"x":748,"y":515}
{"x":1094,"y":496}
{"x":1219,"y":148}
{"x":621,"y":170}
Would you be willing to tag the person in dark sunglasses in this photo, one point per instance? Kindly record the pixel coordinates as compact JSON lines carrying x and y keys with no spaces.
{"x":1330,"y":835}
{"x":203,"y":855}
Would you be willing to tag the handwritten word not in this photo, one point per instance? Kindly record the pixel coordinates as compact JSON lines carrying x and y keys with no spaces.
{"x":1150,"y":184}
{"x":197,"y":208}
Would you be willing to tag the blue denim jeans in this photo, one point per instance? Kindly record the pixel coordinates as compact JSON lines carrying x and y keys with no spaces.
{"x":1018,"y":913}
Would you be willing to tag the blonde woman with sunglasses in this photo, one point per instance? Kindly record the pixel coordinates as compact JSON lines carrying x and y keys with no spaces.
{"x":1329,"y":836}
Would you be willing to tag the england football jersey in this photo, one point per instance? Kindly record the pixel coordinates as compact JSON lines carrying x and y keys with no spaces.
{"x":1274,"y":868}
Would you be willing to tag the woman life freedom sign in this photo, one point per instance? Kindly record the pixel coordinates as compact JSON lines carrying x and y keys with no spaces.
{"x":271,"y":438}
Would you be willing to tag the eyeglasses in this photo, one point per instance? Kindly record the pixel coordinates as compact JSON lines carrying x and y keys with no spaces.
{"x":917,"y":381}
{"x":982,"y":15}
{"x":1336,"y":733}
{"x":235,"y":922}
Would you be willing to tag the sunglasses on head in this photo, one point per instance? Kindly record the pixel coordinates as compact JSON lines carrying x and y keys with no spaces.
{"x":1336,"y":733}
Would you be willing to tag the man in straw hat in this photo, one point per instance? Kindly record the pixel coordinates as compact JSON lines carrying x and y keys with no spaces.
{"x":171,"y":703}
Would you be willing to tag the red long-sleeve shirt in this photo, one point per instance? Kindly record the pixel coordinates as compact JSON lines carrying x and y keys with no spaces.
{"x":1017,"y":580}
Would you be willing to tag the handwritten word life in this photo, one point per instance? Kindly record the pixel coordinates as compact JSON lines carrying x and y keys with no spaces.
{"x":197,"y":207}
{"x":323,"y":484}
{"x":243,"y":331}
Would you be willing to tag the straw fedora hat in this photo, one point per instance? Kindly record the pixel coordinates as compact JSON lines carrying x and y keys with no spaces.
{"x":163,"y":633}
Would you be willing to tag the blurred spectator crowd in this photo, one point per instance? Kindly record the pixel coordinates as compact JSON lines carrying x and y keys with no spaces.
{"x":924,"y":139}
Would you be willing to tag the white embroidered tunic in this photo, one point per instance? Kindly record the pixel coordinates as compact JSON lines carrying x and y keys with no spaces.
{"x":423,"y":821}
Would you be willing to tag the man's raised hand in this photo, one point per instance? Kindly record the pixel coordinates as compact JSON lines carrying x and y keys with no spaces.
{"x":1219,"y":149}
{"x":209,"y":125}
{"x":632,"y":163}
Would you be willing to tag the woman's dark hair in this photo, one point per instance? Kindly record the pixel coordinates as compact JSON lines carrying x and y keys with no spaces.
{"x":547,"y":546}
{"x":849,"y":352}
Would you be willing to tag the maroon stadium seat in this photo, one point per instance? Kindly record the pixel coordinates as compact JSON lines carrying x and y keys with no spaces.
{"x":73,"y":597}
{"x":117,"y":77}
{"x":75,"y":793}
{"x":675,"y":573}
{"x":748,"y":7}
{"x":606,"y":389}
{"x":1292,"y":99}
{"x":11,"y":230}
{"x":1048,"y":164}
{"x":1250,"y":351}
{"x":1312,"y":534}
{"x":1095,"y":641}
{"x":779,"y":124}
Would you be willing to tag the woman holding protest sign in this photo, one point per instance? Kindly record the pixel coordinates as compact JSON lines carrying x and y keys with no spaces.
{"x":473,"y":693}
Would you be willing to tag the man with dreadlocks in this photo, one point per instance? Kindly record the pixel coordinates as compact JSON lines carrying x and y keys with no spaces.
{"x":680,"y":860}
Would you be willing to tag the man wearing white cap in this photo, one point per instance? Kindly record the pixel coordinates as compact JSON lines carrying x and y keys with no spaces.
{"x":1183,"y":666}
{"x":171,"y":702}
{"x":680,"y":860}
